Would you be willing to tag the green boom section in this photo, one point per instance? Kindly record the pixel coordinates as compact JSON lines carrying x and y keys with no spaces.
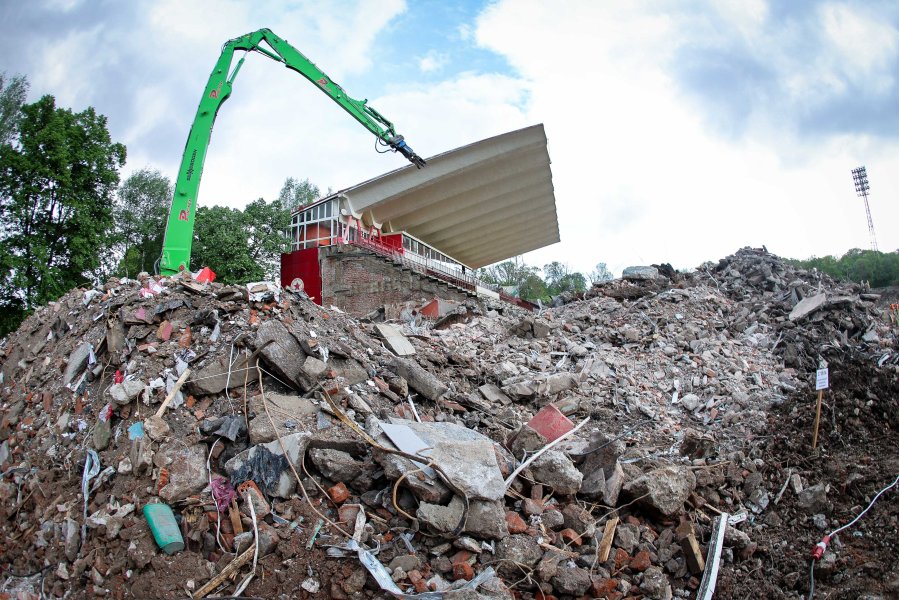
{"x":179,"y":231}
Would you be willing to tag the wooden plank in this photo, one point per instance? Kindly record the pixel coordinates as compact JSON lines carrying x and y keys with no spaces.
{"x":608,"y":534}
{"x":173,"y":393}
{"x":234,"y":515}
{"x":686,"y":535}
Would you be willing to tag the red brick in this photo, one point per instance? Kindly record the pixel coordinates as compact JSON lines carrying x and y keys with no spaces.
{"x":622,"y":558}
{"x":603,"y":587}
{"x":463,"y":570}
{"x":359,"y":282}
{"x":571,"y":536}
{"x":515,"y":523}
{"x":461,"y":556}
{"x":418,"y":581}
{"x":339,"y":493}
{"x":640,"y":562}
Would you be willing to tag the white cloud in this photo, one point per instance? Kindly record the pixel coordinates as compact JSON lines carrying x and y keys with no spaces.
{"x":639,"y":175}
{"x":864,"y":46}
{"x":432,"y":61}
{"x":639,"y":172}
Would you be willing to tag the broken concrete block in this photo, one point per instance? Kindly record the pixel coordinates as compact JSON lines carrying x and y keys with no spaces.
{"x":187,"y":472}
{"x":286,"y":412}
{"x":555,"y":469}
{"x":314,"y":368}
{"x":419,"y":379}
{"x":423,"y":487}
{"x":443,"y":519}
{"x":571,"y":581}
{"x":517,"y":550}
{"x":663,"y":490}
{"x":807,"y":306}
{"x":395,"y":341}
{"x":813,"y":500}
{"x":283,"y":353}
{"x":494,"y":395}
{"x":212,"y":378}
{"x":77,"y":362}
{"x":486,"y":519}
{"x":655,"y":584}
{"x":141,"y":456}
{"x":471,"y":467}
{"x":123,"y":393}
{"x":640,"y":273}
{"x":337,"y":465}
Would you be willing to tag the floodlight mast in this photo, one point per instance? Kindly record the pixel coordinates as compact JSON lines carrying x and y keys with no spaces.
{"x":860,"y":177}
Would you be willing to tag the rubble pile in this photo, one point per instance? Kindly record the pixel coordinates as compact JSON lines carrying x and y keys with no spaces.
{"x":166,"y":438}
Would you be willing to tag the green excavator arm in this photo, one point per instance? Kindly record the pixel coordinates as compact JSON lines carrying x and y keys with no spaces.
{"x":179,"y":230}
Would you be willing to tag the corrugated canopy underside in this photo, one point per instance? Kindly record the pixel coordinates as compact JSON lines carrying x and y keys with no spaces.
{"x":480,"y":203}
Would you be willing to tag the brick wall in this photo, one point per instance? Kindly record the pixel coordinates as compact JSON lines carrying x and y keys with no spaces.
{"x":359,"y":282}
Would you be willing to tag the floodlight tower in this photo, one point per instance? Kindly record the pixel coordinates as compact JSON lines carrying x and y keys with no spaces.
{"x":860,"y":177}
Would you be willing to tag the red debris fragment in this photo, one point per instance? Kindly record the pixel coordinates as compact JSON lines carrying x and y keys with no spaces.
{"x":339,"y":493}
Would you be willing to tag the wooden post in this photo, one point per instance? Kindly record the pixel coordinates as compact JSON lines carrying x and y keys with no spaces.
{"x":605,"y":546}
{"x":817,"y":420}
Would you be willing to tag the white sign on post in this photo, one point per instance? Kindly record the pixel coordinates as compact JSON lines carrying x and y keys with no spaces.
{"x":821,"y":380}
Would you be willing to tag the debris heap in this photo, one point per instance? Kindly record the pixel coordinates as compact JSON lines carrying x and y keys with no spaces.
{"x":166,"y":438}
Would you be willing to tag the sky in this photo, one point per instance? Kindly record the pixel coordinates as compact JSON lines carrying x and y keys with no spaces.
{"x":679,"y":131}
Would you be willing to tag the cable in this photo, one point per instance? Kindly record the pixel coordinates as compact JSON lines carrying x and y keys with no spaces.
{"x":852,"y":522}
{"x":811,"y":576}
{"x":821,"y":547}
{"x":379,"y":142}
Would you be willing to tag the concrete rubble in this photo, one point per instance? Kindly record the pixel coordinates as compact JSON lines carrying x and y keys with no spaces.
{"x":697,"y":387}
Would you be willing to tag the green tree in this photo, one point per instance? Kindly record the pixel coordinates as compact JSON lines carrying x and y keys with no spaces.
{"x":13,"y":92}
{"x":266,"y":225}
{"x":559,"y":278}
{"x":57,"y":183}
{"x":880,"y":269}
{"x":241,"y":246}
{"x":600,"y":273}
{"x":141,"y":210}
{"x":296,"y":193}
{"x":533,"y":289}
{"x":221,"y":243}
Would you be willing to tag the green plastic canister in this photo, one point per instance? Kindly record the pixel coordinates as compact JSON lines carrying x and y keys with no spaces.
{"x":164,"y":527}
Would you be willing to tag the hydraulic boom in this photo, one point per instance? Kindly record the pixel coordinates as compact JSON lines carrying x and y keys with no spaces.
{"x":179,"y":231}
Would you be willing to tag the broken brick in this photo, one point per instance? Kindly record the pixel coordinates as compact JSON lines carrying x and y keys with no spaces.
{"x":571,"y":536}
{"x":515,"y":523}
{"x":339,"y":493}
{"x":641,"y":561}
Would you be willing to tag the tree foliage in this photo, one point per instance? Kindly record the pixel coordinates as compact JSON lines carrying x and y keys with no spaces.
{"x":141,"y":211}
{"x":295,"y":193}
{"x":57,"y":183}
{"x":880,"y":269}
{"x":525,"y":281}
{"x":266,"y":225}
{"x":600,"y":273}
{"x":559,"y":278}
{"x":13,"y":92}
{"x":240,"y":246}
